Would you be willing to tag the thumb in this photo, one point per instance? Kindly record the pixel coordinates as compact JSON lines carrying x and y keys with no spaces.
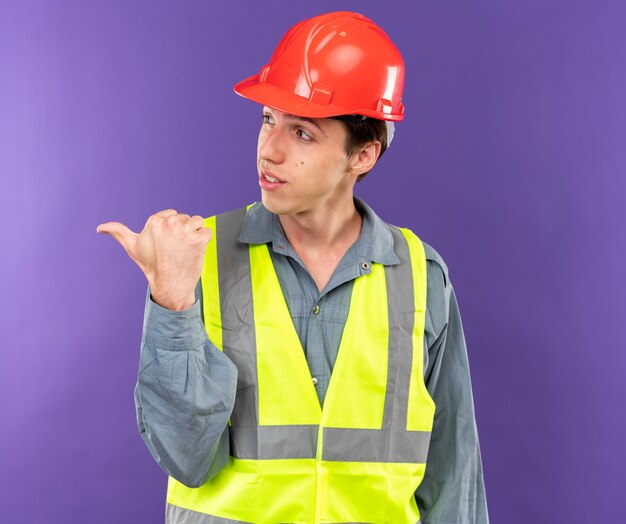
{"x":126,"y":237}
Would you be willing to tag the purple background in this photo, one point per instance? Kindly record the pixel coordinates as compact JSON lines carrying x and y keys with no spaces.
{"x":511,"y":163}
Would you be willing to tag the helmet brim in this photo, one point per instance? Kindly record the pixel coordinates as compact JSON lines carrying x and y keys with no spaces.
{"x":277,"y":98}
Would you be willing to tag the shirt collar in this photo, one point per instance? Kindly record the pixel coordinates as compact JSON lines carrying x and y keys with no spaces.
{"x":375,"y":243}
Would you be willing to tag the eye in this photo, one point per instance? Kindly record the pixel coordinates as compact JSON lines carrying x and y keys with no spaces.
{"x":267,"y":119}
{"x":302,"y":133}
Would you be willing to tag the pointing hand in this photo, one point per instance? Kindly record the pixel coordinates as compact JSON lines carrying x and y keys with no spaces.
{"x":170,"y":252}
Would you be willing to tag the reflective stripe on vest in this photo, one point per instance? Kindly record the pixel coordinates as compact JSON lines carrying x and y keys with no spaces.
{"x":361,"y":457}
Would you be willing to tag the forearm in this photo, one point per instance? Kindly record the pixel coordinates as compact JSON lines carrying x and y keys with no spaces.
{"x":184,"y":396}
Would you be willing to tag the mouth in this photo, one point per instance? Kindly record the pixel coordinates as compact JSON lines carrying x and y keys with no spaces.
{"x":269,"y":181}
{"x":271,"y":177}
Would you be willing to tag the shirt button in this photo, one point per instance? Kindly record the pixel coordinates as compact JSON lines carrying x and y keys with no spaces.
{"x":365,"y":266}
{"x":316,"y":310}
{"x":314,"y":381}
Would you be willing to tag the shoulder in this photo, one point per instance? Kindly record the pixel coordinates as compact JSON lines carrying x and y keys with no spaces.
{"x":255,"y":208}
{"x":438,"y":294}
{"x":239,"y":212}
{"x":436,"y":264}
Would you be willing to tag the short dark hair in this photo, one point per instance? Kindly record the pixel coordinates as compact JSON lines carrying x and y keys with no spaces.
{"x":360,"y":132}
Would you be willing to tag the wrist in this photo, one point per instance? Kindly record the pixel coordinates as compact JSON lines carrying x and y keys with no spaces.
{"x":173,"y":302}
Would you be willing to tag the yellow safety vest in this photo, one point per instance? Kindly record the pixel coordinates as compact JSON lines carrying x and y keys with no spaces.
{"x":361,"y":457}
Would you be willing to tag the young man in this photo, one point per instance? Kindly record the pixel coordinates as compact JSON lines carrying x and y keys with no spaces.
{"x":303,"y":361}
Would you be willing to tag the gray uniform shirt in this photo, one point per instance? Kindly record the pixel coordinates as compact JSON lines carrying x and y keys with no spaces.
{"x":186,"y":386}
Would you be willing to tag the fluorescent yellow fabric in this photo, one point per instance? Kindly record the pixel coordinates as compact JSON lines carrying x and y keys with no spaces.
{"x":315,"y":489}
{"x":419,"y":419}
{"x":210,"y":290}
{"x":356,"y":393}
{"x":286,"y":391}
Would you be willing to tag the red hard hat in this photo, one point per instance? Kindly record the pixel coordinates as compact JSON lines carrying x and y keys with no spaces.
{"x":333,"y":64}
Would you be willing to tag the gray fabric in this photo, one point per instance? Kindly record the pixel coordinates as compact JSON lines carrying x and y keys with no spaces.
{"x":375,"y":445}
{"x":238,"y":331}
{"x":401,"y":307}
{"x":197,"y":375}
{"x":177,"y":368}
{"x":274,"y":442}
{"x":177,"y":515}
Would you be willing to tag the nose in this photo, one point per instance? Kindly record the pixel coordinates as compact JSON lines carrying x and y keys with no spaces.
{"x":271,"y":146}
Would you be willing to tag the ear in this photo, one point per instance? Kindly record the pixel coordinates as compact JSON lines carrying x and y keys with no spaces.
{"x":364,"y":159}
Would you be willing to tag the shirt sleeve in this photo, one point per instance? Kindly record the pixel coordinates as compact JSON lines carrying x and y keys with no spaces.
{"x":453,"y":490}
{"x":184,"y":395}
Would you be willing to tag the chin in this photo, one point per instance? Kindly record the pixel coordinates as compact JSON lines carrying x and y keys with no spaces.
{"x":274,"y":205}
{"x":282,"y":206}
{"x":270,"y":203}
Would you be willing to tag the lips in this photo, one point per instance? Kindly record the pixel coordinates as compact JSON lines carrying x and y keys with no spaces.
{"x":270,"y":182}
{"x":271,"y":177}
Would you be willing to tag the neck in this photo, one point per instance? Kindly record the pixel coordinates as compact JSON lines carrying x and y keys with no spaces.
{"x":336,"y":225}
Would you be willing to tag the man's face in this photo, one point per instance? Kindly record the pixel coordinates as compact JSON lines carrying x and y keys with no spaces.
{"x":302,"y":163}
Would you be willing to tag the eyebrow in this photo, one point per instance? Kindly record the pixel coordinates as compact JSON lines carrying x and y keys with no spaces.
{"x":305,"y":119}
